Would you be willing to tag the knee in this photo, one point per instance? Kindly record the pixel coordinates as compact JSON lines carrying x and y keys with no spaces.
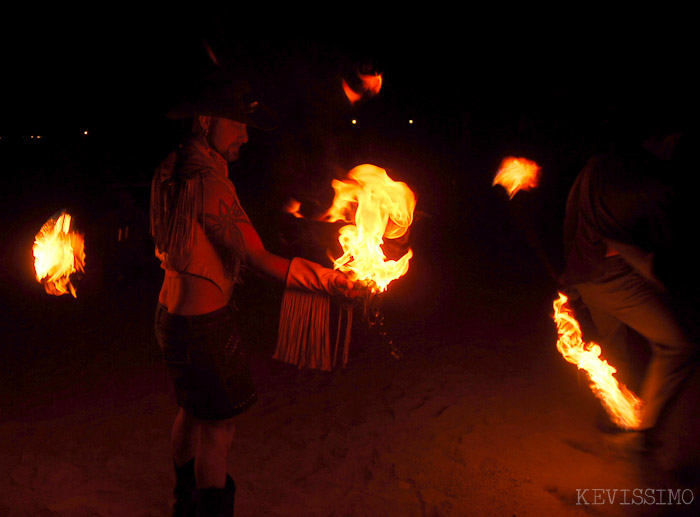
{"x":217,"y":433}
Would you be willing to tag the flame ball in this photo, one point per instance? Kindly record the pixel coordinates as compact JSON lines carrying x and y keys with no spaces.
{"x":58,"y":253}
{"x":517,"y":174}
{"x":377,"y":208}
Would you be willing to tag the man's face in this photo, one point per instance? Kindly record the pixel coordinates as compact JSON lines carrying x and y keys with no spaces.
{"x":227,"y":137}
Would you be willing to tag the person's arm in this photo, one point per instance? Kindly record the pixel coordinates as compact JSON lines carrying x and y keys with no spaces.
{"x":227,"y":224}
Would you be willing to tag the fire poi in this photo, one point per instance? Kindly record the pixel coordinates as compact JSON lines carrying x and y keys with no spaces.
{"x":517,"y":174}
{"x":375,"y":208}
{"x":621,"y":404}
{"x":58,"y":253}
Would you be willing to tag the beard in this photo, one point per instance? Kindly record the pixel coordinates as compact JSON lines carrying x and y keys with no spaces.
{"x":232,"y":153}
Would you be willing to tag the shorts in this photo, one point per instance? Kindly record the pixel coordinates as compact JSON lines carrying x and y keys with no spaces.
{"x":206,"y":362}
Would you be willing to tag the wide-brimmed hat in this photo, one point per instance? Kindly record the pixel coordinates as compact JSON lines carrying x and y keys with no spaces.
{"x":227,"y":98}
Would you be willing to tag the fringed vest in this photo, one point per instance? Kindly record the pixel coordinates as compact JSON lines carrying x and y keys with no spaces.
{"x":177,"y":215}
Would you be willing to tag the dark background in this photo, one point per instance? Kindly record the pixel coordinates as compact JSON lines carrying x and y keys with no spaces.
{"x":554,"y":87}
{"x":479,"y":87}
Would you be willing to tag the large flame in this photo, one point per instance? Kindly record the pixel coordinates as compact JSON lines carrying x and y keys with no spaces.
{"x":621,"y":404}
{"x":58,"y":253}
{"x":517,"y":174}
{"x":377,"y":207}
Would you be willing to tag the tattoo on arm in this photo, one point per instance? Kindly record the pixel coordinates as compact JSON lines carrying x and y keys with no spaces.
{"x":226,"y":222}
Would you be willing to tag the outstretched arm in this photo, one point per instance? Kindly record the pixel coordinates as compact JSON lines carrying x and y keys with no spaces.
{"x":228,"y":225}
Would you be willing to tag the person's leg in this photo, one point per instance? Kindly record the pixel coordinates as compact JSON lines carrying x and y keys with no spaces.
{"x":215,"y":488}
{"x":639,"y":305}
{"x":214,"y":443}
{"x":184,"y":437}
{"x":613,"y":341}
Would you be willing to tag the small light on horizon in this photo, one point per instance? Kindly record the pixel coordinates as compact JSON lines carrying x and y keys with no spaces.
{"x":85,"y":132}
{"x":353,"y":122}
{"x":410,"y":121}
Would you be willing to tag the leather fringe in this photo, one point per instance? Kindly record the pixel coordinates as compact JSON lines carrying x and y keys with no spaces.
{"x":304,"y":336}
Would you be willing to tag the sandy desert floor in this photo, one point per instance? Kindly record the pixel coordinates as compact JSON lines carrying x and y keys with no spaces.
{"x":479,"y":416}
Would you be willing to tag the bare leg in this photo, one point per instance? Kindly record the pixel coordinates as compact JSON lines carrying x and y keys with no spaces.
{"x":184,"y":437}
{"x":215,"y":440}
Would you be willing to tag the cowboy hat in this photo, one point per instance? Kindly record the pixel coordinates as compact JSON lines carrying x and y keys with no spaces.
{"x":227,"y":98}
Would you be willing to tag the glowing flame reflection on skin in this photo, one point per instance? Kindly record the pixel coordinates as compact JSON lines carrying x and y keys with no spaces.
{"x":377,"y":207}
{"x":58,"y":253}
{"x":517,"y":174}
{"x":621,"y":404}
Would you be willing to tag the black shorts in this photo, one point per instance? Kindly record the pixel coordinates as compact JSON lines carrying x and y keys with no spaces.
{"x":206,"y":362}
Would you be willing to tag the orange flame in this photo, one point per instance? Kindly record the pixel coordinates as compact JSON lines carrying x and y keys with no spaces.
{"x":621,"y":404}
{"x":378,"y":208}
{"x":58,"y":253}
{"x":292,"y":207}
{"x":371,"y":86}
{"x":517,"y":174}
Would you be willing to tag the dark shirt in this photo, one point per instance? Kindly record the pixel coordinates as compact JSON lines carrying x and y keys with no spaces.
{"x":619,"y":200}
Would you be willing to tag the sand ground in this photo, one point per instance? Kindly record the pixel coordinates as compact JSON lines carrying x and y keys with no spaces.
{"x":478,"y":416}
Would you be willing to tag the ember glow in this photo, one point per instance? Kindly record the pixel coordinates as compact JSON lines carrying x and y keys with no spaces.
{"x":517,"y":174}
{"x":58,"y":253}
{"x":292,"y":207}
{"x":371,"y":86}
{"x":377,"y":207}
{"x":621,"y":404}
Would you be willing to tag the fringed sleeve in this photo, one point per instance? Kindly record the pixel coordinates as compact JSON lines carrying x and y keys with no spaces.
{"x":174,"y":207}
{"x":304,"y":335}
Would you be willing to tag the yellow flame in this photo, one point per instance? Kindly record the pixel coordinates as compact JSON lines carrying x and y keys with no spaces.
{"x":58,"y":253}
{"x":622,"y":405}
{"x":517,"y":174}
{"x":377,"y":207}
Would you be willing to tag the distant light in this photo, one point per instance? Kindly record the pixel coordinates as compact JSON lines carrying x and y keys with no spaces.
{"x":410,"y":121}
{"x":354,"y":121}
{"x":85,"y":132}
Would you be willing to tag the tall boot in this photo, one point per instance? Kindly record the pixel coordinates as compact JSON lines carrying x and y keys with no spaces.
{"x":216,"y":502}
{"x":185,"y":487}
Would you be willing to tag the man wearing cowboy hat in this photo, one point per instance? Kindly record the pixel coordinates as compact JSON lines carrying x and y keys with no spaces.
{"x":202,"y":237}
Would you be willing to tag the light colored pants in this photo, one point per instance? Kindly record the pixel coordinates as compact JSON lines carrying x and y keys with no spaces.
{"x":620,"y":297}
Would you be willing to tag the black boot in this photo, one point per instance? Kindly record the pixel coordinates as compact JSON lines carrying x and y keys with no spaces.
{"x":216,"y":502}
{"x":185,"y":487}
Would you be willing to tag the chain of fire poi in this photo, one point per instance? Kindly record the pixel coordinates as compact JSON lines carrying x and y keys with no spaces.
{"x":621,"y":404}
{"x":375,"y":208}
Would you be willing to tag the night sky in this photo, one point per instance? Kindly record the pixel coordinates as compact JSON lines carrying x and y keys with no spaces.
{"x":478,"y":88}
